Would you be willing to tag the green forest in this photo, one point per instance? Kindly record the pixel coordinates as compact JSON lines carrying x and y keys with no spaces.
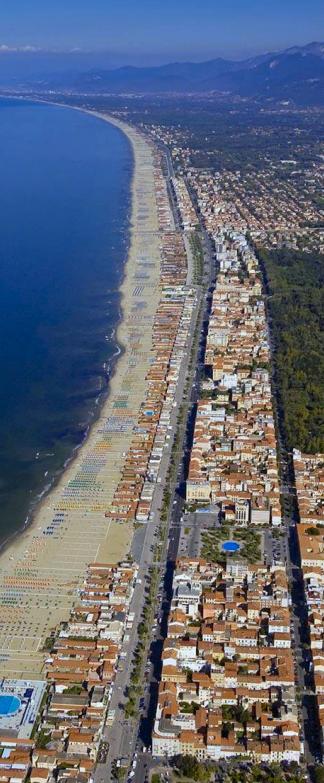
{"x":295,"y":285}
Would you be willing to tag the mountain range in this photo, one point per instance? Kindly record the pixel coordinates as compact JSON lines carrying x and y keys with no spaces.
{"x":295,"y":74}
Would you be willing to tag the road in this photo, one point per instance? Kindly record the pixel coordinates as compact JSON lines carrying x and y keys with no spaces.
{"x":144,"y":761}
{"x":122,"y":736}
{"x":127,"y":737}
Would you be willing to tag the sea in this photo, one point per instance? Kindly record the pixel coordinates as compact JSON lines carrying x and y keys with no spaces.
{"x":65,"y":203}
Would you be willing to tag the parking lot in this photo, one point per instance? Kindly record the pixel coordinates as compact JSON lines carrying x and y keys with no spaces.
{"x":275,"y":547}
{"x":192,"y":526}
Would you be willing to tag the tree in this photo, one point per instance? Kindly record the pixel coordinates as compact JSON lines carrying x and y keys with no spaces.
{"x":295,"y":282}
{"x":319,"y":774}
{"x":190,"y":767}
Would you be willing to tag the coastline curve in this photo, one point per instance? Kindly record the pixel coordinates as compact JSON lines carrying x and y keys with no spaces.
{"x":43,"y":566}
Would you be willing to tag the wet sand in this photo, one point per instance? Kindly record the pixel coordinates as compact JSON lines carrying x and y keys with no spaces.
{"x":41,"y":569}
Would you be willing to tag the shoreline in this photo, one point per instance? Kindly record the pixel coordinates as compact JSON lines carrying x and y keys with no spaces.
{"x":59,"y":474}
{"x":36,"y":502}
{"x":42,"y":566}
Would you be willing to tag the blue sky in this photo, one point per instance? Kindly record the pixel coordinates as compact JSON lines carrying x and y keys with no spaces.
{"x":148,"y":30}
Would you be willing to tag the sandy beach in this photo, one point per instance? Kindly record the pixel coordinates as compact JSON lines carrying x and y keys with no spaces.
{"x":41,"y":569}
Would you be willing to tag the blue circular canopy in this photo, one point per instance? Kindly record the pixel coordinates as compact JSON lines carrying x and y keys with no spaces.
{"x":231,"y":546}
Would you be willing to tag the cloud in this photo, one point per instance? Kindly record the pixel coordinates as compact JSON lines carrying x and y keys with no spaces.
{"x":29,"y":48}
{"x":5,"y":48}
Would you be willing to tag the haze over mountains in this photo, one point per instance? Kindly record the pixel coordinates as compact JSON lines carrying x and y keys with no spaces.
{"x":294,"y":74}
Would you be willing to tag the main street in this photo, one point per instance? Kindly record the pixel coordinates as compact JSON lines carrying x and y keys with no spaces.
{"x":125,"y":735}
{"x":121,"y":736}
{"x":143,"y":760}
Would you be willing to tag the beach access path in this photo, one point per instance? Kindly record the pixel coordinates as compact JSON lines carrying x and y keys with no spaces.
{"x":42,"y":568}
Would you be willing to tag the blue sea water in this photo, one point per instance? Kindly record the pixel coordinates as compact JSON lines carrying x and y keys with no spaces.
{"x":64,"y":225}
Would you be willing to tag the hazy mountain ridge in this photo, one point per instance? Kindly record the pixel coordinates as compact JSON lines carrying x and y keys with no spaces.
{"x":296,"y":73}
